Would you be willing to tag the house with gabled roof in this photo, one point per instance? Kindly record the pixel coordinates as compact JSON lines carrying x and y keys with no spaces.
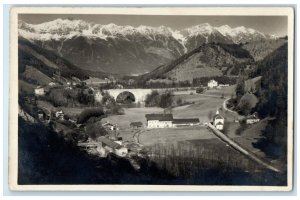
{"x":112,"y":146}
{"x":218,"y":121}
{"x":252,"y":119}
{"x":212,"y":83}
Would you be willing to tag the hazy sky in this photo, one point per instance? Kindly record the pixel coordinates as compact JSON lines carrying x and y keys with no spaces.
{"x":267,"y":24}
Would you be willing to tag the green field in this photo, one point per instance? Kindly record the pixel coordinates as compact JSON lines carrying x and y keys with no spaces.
{"x":227,"y":91}
{"x":174,"y":135}
{"x":200,"y":109}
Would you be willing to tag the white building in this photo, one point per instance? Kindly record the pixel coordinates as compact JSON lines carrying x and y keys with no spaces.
{"x":109,"y":126}
{"x":167,"y":121}
{"x":219,"y":121}
{"x":222,"y":86}
{"x":98,"y":96}
{"x":159,"y":120}
{"x":113,"y":147}
{"x":212,"y":83}
{"x":59,"y":115}
{"x":252,"y":119}
{"x":39,"y":91}
{"x":52,"y":84}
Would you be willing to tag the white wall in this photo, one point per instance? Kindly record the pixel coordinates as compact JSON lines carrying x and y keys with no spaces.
{"x":217,"y":121}
{"x":159,"y":124}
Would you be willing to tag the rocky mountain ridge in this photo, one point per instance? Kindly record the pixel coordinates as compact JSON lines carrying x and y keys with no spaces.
{"x":126,"y":49}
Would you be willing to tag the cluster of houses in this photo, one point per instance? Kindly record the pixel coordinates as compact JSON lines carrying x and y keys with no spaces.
{"x":107,"y":145}
{"x":167,"y":121}
{"x":104,"y":145}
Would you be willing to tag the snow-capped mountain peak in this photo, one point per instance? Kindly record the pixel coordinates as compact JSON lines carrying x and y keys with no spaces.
{"x":62,"y":29}
{"x":204,"y":29}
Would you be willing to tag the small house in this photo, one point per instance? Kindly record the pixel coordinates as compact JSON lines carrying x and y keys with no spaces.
{"x":219,"y":126}
{"x":52,"y":84}
{"x":159,"y":120}
{"x":109,"y":126}
{"x":59,"y":115}
{"x":218,"y":121}
{"x":212,"y":84}
{"x":39,"y":91}
{"x":96,"y":81}
{"x":252,"y":119}
{"x":136,"y":124}
{"x":119,"y":86}
{"x":112,"y":146}
{"x":222,"y":86}
{"x":98,"y":96}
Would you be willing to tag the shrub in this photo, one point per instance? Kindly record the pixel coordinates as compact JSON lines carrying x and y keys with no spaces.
{"x":200,"y":90}
{"x":88,"y":113}
{"x":95,"y":130}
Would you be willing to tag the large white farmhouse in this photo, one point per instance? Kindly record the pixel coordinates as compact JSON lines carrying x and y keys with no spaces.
{"x":167,"y":121}
{"x":212,"y":83}
{"x":218,"y":121}
{"x":159,"y":120}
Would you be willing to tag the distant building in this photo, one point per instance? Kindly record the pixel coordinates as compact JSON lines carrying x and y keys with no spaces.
{"x":252,"y":119}
{"x":222,"y":86}
{"x":112,"y":146}
{"x":98,"y":96}
{"x":119,"y":86}
{"x":59,"y":115}
{"x":52,"y":84}
{"x":218,"y":121}
{"x":186,"y":122}
{"x":212,"y":83}
{"x":159,"y":120}
{"x":97,"y":81}
{"x":39,"y":91}
{"x":136,"y":124}
{"x":109,"y":126}
{"x":167,"y":121}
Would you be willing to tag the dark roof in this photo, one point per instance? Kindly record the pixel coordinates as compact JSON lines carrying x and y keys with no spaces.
{"x":109,"y":142}
{"x":184,"y":121}
{"x":159,"y":117}
{"x":136,"y":124}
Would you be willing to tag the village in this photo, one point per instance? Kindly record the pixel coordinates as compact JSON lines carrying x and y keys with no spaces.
{"x":128,"y":137}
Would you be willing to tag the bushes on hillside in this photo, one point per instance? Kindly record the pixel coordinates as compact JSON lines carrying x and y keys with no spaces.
{"x":200,"y":90}
{"x":163,"y":100}
{"x":88,"y":113}
{"x":95,"y":130}
{"x":152,"y":99}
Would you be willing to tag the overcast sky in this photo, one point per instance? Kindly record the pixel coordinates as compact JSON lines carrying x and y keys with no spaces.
{"x":267,"y":24}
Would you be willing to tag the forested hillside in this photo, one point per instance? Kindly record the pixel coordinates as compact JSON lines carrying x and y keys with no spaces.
{"x":272,"y":95}
{"x":208,"y":60}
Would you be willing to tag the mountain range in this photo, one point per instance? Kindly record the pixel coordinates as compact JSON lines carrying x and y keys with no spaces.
{"x":133,"y":50}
